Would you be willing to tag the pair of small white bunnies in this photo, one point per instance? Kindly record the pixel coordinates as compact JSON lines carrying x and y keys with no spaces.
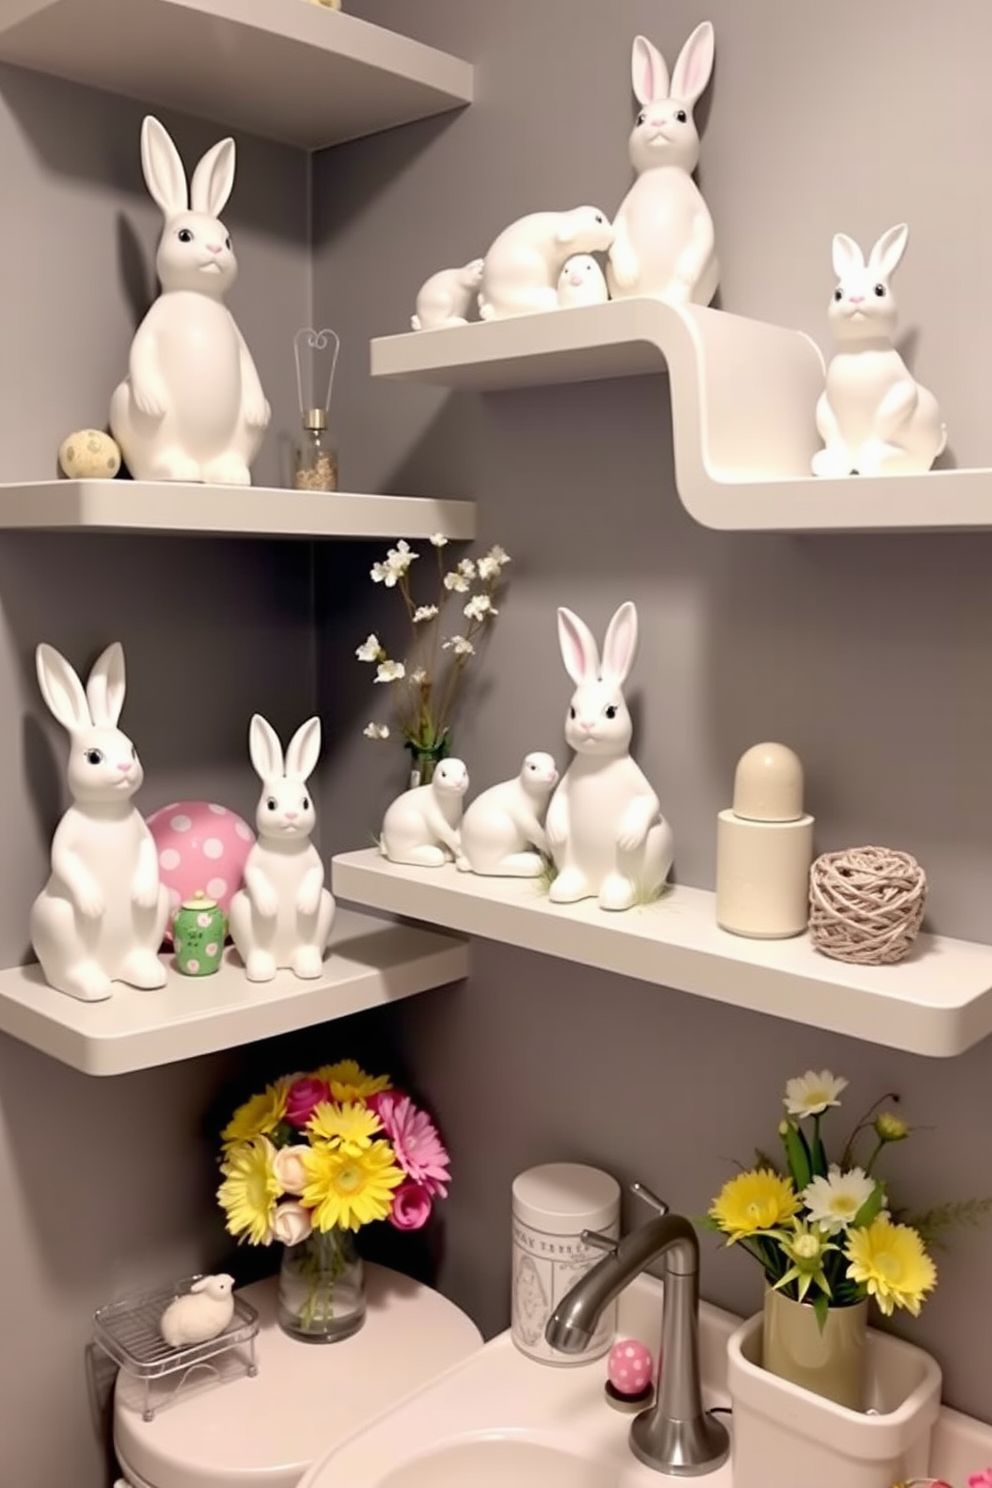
{"x":102,"y":915}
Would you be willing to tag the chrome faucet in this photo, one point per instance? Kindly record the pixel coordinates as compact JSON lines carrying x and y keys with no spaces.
{"x":674,"y":1435}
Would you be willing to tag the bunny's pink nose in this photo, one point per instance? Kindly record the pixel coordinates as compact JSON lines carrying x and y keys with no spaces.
{"x":214,"y":247}
{"x":857,"y":299}
{"x":587,"y":726}
{"x":124,"y":766}
{"x":291,"y":815}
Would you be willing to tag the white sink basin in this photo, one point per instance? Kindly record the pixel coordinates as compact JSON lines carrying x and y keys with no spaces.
{"x":499,"y":1420}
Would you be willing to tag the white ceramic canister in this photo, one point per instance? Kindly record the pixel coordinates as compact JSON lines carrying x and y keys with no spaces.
{"x":552,"y":1205}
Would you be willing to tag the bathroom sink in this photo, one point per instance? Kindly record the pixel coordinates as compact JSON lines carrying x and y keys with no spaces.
{"x":500,"y":1420}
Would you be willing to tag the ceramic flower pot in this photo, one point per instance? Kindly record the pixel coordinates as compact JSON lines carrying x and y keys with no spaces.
{"x":831,"y":1361}
{"x":322,"y":1287}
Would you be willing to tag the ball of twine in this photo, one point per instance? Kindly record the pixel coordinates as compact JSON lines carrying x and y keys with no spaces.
{"x":866,"y":904}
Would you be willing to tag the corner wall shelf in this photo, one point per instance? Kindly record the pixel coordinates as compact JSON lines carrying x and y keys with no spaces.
{"x":938,"y":1002}
{"x":743,"y":398}
{"x":236,"y":511}
{"x":371,"y":962}
{"x":284,"y":69}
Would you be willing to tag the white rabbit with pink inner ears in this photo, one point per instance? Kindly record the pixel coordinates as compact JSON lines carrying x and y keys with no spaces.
{"x":604,"y":823}
{"x":873,"y":416}
{"x":664,"y":242}
{"x":192,"y":406}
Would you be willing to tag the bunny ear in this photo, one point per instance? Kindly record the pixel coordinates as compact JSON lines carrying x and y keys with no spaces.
{"x":201,"y":1285}
{"x":847,"y":256}
{"x":302,"y":751}
{"x":61,"y":689}
{"x":889,"y":249}
{"x":695,"y":64}
{"x":579,"y":651}
{"x":648,"y":71}
{"x":265,"y":749}
{"x":620,"y":645}
{"x":213,"y":179}
{"x":105,"y":686}
{"x":162,"y":167}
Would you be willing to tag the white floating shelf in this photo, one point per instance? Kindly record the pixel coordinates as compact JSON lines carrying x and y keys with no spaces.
{"x":236,"y":511}
{"x":370,"y":962}
{"x":743,"y":397}
{"x":937,"y":1002}
{"x":284,"y":69}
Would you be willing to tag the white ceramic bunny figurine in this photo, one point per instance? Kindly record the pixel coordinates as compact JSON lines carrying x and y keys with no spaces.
{"x":582,"y":282}
{"x":502,"y":831}
{"x":102,"y":915}
{"x":423,"y":825}
{"x":191,"y":407}
{"x":447,"y":296}
{"x":604,"y":823}
{"x":520,"y":271}
{"x":283,"y":915}
{"x":664,"y":243}
{"x":873,"y":416}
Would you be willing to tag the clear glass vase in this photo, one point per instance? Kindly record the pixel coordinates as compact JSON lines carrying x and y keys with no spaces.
{"x":426,"y":759}
{"x":830,"y":1361}
{"x":322,"y":1287}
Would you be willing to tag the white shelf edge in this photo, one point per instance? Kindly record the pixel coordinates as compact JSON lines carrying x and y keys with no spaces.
{"x":371,"y":962}
{"x":938,"y":1002}
{"x":243,"y":511}
{"x":743,"y":398}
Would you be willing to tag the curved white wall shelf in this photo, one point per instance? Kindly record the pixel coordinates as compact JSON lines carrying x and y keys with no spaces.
{"x":283,"y":69}
{"x":937,"y":1002}
{"x":743,"y":396}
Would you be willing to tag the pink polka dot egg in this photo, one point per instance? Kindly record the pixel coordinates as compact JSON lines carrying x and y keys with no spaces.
{"x":629,"y":1367}
{"x":201,"y":846}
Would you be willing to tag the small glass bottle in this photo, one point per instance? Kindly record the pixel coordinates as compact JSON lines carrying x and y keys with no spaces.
{"x":315,"y":459}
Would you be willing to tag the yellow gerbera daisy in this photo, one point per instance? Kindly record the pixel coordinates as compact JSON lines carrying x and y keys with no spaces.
{"x":250,"y":1190}
{"x":349,"y":1127}
{"x":753,"y":1201}
{"x":258,"y":1116}
{"x":889,"y":1259}
{"x":349,"y":1082}
{"x":347,"y":1192}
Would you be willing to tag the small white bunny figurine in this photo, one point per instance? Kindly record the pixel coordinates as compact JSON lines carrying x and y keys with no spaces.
{"x":191,"y":407}
{"x":521,"y":269}
{"x":283,"y":915}
{"x":422,"y":825}
{"x":447,"y":296}
{"x":502,"y":829}
{"x":664,"y":243}
{"x":201,"y":1314}
{"x":582,"y":282}
{"x":873,"y":416}
{"x":102,"y":915}
{"x":604,"y":823}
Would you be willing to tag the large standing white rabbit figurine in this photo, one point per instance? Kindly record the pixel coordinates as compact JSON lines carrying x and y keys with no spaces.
{"x":192,"y":407}
{"x":664,"y":243}
{"x":102,"y":915}
{"x":283,"y":915}
{"x":873,"y":416}
{"x":604,"y":824}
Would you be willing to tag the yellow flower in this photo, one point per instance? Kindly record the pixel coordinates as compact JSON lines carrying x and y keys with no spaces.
{"x":758,"y":1200}
{"x":258,"y":1116}
{"x":347,"y":1192}
{"x":350,"y":1128}
{"x":890,"y":1261}
{"x":250,"y":1190}
{"x":890,"y":1128}
{"x":349,"y":1082}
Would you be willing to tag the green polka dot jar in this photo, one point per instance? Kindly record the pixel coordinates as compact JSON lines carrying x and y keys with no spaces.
{"x":199,"y":929}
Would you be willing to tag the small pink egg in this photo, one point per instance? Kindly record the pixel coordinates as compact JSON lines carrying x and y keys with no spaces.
{"x":629,"y":1367}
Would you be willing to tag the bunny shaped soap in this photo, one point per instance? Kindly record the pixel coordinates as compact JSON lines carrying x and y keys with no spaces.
{"x":102,"y":915}
{"x":873,"y":416}
{"x":283,"y":915}
{"x":191,"y":407}
{"x":664,"y":243}
{"x":604,"y":824}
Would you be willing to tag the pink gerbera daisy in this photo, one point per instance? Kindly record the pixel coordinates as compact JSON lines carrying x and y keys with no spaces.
{"x":419,"y":1150}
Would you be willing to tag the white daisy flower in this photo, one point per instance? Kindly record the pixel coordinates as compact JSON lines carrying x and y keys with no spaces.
{"x":376,"y":731}
{"x":834,"y":1201}
{"x":390,"y":671}
{"x":384,"y":573}
{"x":810,"y":1094}
{"x":457,"y":581}
{"x":461,"y":646}
{"x":490,"y":564}
{"x":369,"y":650}
{"x":479,"y":606}
{"x":424,"y":612}
{"x":438,"y":540}
{"x":400,"y":557}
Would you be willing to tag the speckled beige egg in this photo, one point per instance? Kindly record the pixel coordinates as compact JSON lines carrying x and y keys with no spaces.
{"x":89,"y":454}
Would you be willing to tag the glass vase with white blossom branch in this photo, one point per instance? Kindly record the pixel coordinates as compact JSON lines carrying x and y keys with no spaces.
{"x":425,"y":685}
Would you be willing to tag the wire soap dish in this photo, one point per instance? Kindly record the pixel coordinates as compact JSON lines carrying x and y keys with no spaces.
{"x":128,"y":1330}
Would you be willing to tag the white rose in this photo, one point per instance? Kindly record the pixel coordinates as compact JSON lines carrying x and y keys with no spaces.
{"x":291,"y":1173}
{"x":292,"y":1223}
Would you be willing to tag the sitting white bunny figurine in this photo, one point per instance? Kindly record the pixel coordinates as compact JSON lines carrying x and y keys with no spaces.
{"x":664,"y":243}
{"x":204,"y":1312}
{"x":604,"y":823}
{"x":422,"y":825}
{"x":447,"y":296}
{"x":873,"y":416}
{"x":191,"y":407}
{"x":283,"y":915}
{"x":502,"y":829}
{"x":102,"y":915}
{"x":521,"y":269}
{"x":582,"y":282}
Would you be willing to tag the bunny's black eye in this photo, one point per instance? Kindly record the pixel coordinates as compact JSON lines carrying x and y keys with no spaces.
{"x":610,"y":710}
{"x":641,"y":117}
{"x":305,"y":804}
{"x":838,"y":294}
{"x":184,"y":235}
{"x":94,"y":756}
{"x":227,"y":242}
{"x":134,"y":752}
{"x":571,"y":712}
{"x":270,"y":804}
{"x":681,"y":115}
{"x":599,"y":216}
{"x":880,"y":291}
